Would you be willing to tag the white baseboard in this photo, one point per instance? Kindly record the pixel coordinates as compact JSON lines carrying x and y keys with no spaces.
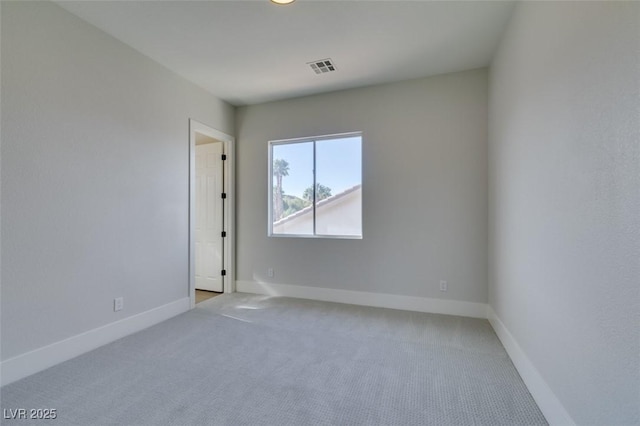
{"x":24,"y":365}
{"x":381,"y":300}
{"x":549,"y":404}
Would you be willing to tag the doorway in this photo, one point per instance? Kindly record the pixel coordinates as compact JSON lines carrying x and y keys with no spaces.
{"x":209,"y":247}
{"x":210,"y":211}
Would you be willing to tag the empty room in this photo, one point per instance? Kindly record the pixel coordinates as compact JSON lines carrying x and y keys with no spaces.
{"x":316,"y":212}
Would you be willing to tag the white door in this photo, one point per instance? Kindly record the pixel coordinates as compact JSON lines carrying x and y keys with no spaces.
{"x":209,"y":217}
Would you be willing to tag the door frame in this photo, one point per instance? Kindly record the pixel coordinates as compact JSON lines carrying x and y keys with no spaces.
{"x":229,"y":283}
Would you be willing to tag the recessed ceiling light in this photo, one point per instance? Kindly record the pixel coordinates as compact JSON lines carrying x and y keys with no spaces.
{"x":282,"y":1}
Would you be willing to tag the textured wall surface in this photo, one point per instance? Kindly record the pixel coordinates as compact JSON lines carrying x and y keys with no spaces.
{"x":94,"y":177}
{"x":424,"y":189}
{"x":564,"y":200}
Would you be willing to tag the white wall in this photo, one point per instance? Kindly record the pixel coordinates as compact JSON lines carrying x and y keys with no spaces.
{"x":342,"y":216}
{"x":564,"y":201}
{"x":334,"y":216}
{"x":424,"y":189}
{"x":94,"y":177}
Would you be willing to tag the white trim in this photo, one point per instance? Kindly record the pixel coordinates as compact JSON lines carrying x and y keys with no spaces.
{"x":548,"y":402}
{"x":381,"y":300}
{"x":229,"y":210}
{"x":316,"y":138}
{"x":29,"y":363}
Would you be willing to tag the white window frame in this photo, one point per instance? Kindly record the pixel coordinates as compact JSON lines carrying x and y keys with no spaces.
{"x":270,"y":185}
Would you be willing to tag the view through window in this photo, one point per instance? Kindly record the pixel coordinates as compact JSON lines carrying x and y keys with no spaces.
{"x":316,"y":187}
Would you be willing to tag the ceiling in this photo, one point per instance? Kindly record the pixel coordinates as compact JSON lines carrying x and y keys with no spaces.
{"x":253,"y":51}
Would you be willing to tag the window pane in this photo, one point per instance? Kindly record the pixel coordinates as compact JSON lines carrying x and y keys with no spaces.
{"x":292,"y":168}
{"x":339,"y":187}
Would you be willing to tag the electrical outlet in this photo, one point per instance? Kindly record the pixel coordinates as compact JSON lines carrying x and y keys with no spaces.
{"x":443,"y":285}
{"x":118,"y":304}
{"x":270,"y":272}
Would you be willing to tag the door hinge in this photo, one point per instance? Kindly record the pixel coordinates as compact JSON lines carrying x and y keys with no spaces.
{"x":223,"y":272}
{"x":224,"y":157}
{"x":224,"y":195}
{"x":224,"y":234}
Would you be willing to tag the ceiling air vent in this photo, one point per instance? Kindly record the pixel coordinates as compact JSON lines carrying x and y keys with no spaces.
{"x":322,"y":66}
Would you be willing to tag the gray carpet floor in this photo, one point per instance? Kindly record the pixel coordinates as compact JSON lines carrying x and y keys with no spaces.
{"x":241,"y":359}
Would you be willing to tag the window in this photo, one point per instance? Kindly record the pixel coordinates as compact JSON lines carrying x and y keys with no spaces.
{"x":315,"y":187}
